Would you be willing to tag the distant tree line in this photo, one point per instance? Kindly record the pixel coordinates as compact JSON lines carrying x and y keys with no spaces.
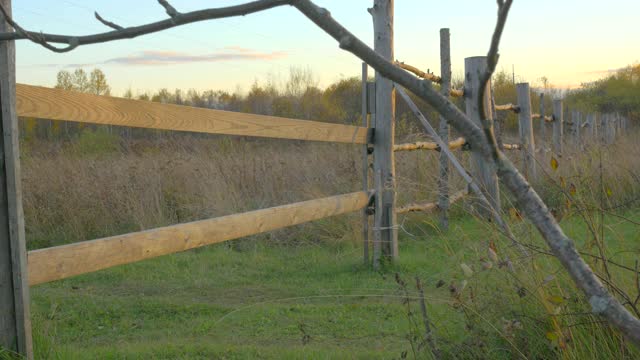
{"x":617,"y":92}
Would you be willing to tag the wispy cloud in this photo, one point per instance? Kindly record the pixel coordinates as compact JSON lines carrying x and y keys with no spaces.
{"x":155,"y":58}
{"x":602,"y":72}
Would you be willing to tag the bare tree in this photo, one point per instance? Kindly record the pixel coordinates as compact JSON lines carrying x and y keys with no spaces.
{"x":482,"y":140}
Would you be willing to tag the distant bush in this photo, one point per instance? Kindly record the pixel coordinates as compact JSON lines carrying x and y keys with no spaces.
{"x":98,"y":141}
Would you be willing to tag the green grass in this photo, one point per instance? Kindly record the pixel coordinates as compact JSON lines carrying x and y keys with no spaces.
{"x":254,"y":299}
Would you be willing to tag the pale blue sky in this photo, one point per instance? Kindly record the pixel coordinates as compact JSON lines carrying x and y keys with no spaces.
{"x":569,"y":41}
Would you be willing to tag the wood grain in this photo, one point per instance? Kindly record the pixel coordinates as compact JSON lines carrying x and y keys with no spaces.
{"x":382,"y":14}
{"x":15,"y":319}
{"x":74,"y":259}
{"x":57,"y":104}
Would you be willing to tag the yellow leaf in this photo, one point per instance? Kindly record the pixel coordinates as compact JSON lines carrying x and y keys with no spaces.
{"x":466,"y":270}
{"x":555,"y":300}
{"x":572,"y":189}
{"x":609,"y":193}
{"x":552,"y":336}
{"x":554,"y":163}
{"x":515,"y":214}
{"x":568,"y":204}
{"x":493,"y":255}
{"x":563,"y":183}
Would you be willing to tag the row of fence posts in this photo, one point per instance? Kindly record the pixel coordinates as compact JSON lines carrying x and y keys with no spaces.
{"x":378,"y":113}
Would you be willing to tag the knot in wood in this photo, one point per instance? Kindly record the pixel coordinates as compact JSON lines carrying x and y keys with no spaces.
{"x":599,"y":304}
{"x":346,"y":42}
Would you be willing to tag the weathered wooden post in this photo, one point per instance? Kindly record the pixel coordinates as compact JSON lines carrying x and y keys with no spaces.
{"x":525,"y":124}
{"x":543,"y":124}
{"x":578,"y":125}
{"x":557,"y":127}
{"x":445,"y":87}
{"x":382,"y":13}
{"x":483,"y":171}
{"x":590,"y":121}
{"x":15,"y":322}
{"x":365,"y":163}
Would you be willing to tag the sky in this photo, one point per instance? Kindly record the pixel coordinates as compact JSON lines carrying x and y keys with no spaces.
{"x":567,"y":41}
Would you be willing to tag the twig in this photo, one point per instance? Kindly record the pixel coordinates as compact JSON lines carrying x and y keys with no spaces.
{"x":428,"y":334}
{"x":171,"y":11}
{"x":107,"y":23}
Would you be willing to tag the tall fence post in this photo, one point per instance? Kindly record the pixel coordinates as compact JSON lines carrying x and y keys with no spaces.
{"x":578,"y":126}
{"x":526,"y":130}
{"x":382,"y":13}
{"x":365,"y":163}
{"x":15,"y":322}
{"x":543,"y":123}
{"x":445,"y":87}
{"x":557,"y":127}
{"x":483,"y":171}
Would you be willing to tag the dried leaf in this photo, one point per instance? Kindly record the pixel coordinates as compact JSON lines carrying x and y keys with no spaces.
{"x":563,"y":183}
{"x":554,"y":163}
{"x":492,"y":255}
{"x":572,"y":189}
{"x":515,"y":214}
{"x":466,"y":270}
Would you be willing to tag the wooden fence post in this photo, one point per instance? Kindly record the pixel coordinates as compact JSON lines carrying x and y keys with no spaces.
{"x":590,"y":121}
{"x":384,"y":163}
{"x":526,"y":130}
{"x":365,"y":164}
{"x":483,"y":171}
{"x":445,"y":87}
{"x":543,"y":124}
{"x":578,"y":125}
{"x":15,"y":322}
{"x":557,"y":127}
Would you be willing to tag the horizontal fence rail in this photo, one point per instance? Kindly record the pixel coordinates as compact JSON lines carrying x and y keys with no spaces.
{"x":429,"y":145}
{"x":57,"y":104}
{"x":61,"y":262}
{"x":431,"y":206}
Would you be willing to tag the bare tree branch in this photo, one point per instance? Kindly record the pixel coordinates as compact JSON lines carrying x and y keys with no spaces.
{"x":107,"y":23}
{"x":73,"y":41}
{"x":492,"y":62}
{"x":481,"y":139}
{"x":171,"y":11}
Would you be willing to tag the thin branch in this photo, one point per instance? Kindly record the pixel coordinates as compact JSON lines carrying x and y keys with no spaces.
{"x":107,"y":23}
{"x":492,"y":62}
{"x":171,"y":11}
{"x":37,"y":38}
{"x":73,"y":41}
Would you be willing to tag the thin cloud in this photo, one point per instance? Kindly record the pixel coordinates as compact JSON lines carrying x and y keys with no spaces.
{"x":157,"y":58}
{"x":173,"y":58}
{"x":601,"y":72}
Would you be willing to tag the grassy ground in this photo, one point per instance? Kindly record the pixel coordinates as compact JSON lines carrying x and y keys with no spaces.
{"x":253,"y":299}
